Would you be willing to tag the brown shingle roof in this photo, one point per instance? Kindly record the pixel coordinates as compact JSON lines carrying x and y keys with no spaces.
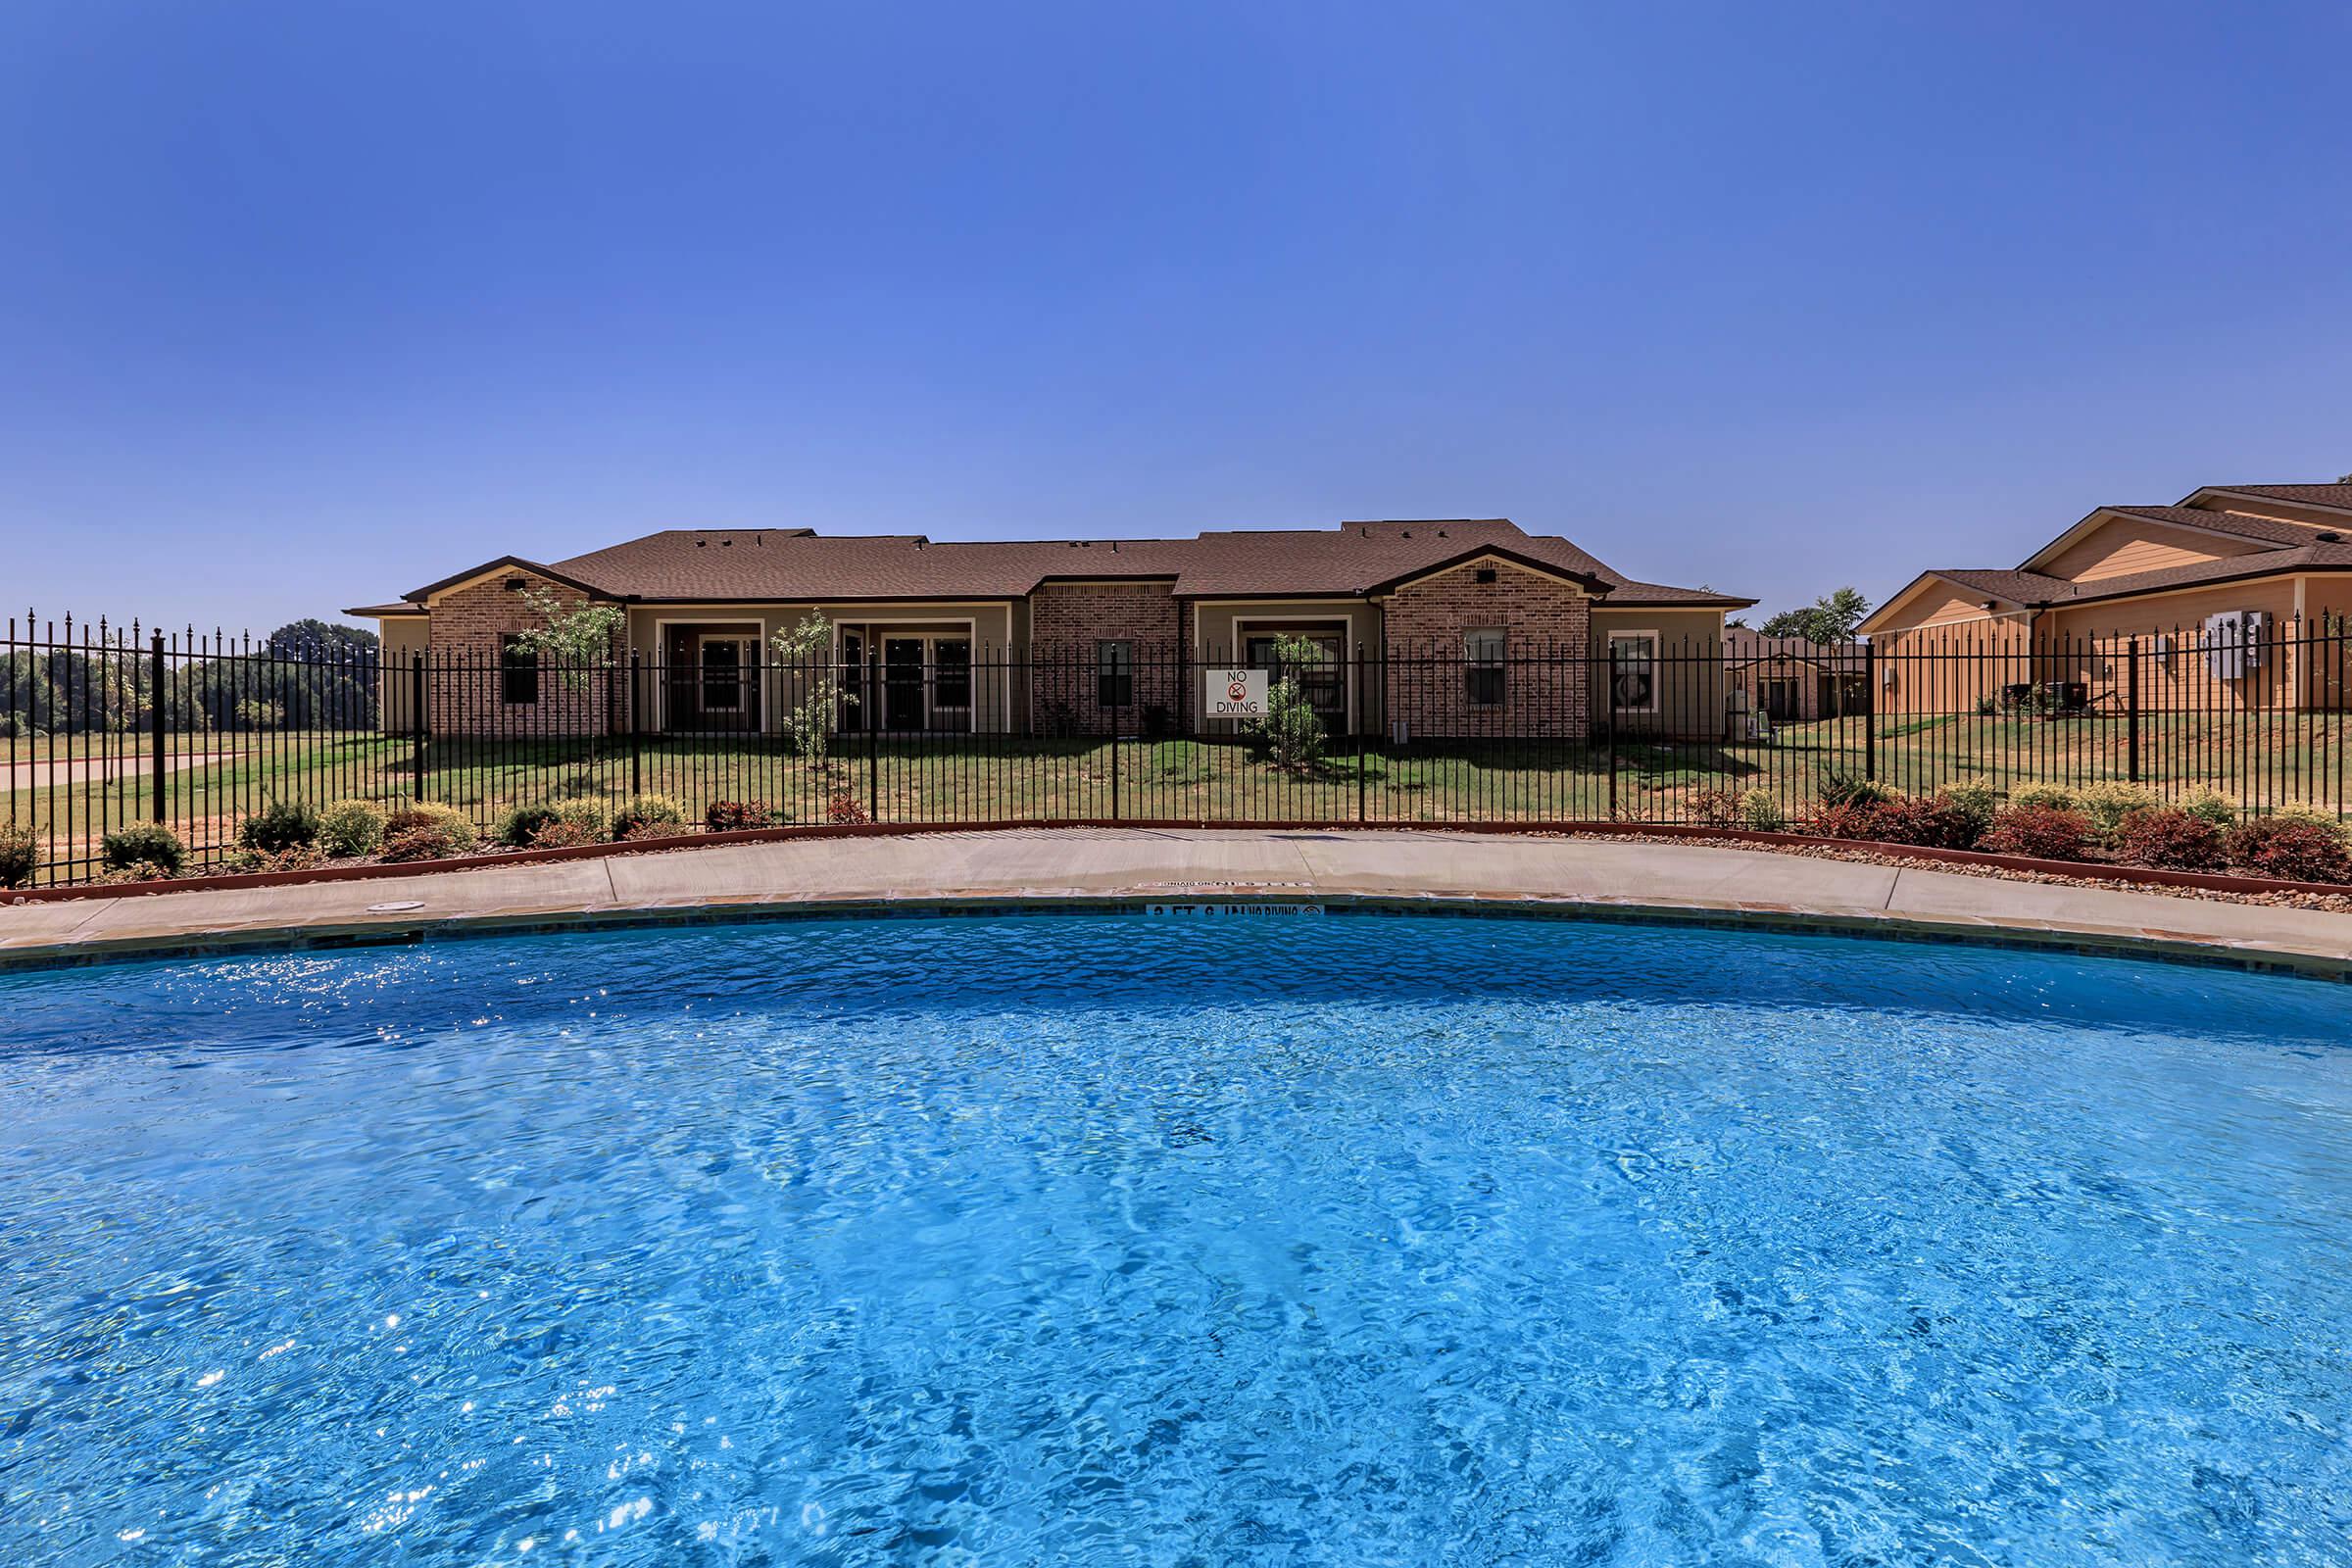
{"x":761,"y":566}
{"x":795,"y":566}
{"x":2317,"y":495}
{"x":2036,"y":590}
{"x":2239,"y":524}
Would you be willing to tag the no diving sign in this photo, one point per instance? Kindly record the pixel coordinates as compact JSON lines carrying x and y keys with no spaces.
{"x":1233,"y":694}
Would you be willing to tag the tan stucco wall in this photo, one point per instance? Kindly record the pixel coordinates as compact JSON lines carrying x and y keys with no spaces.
{"x":403,"y":639}
{"x":1692,"y":683}
{"x":1948,"y":667}
{"x":2122,"y":546}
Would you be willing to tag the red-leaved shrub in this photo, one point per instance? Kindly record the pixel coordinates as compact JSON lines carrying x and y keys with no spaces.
{"x":2170,"y":838}
{"x":2294,"y":849}
{"x":565,"y":833}
{"x":419,"y":841}
{"x":1845,"y":819}
{"x":725,"y":816}
{"x":844,"y":808}
{"x":2040,"y":832}
{"x":1929,"y":820}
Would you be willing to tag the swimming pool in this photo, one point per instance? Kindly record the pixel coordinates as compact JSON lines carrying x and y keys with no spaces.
{"x":1079,"y":1239}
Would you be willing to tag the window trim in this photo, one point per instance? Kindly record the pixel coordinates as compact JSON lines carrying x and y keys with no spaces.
{"x":1657,"y":651}
{"x":516,"y":658}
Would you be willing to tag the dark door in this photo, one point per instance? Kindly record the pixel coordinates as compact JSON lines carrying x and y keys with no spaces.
{"x":1841,"y":695}
{"x":902,"y":683}
{"x":726,"y":687}
{"x":1780,"y":699}
{"x":1320,"y":681}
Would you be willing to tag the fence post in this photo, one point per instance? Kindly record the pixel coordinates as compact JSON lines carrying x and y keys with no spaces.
{"x":1870,"y":710}
{"x":1609,"y":731}
{"x":2132,"y":705}
{"x":873,"y":736}
{"x":155,"y":717}
{"x":636,"y":722}
{"x":417,"y":718}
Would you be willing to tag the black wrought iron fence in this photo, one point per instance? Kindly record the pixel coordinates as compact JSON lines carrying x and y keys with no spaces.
{"x":106,"y":728}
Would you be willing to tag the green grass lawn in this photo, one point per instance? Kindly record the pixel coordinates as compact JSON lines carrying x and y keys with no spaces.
{"x":983,"y":778}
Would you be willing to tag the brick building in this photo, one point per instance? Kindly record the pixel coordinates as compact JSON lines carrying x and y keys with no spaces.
{"x":1429,"y":628}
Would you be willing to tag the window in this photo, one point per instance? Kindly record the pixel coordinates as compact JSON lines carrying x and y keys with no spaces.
{"x":951,"y":672}
{"x":1482,"y":667}
{"x":1115,"y":674}
{"x":517,"y":669}
{"x":1634,"y":660}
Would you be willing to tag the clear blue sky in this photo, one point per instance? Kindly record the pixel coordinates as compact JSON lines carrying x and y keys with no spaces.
{"x":302,"y":305}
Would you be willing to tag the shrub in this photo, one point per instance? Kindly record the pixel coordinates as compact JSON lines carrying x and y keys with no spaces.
{"x":1841,"y":788}
{"x":844,"y":808}
{"x":520,"y":825}
{"x":1715,"y":808}
{"x":1973,"y":797}
{"x":2173,"y":839}
{"x":648,"y":811}
{"x":2209,"y":804}
{"x":2042,"y":832}
{"x":279,"y":826}
{"x":644,"y":832}
{"x":452,"y":824}
{"x":1761,"y":813}
{"x":2296,"y":848}
{"x":296,"y":857}
{"x":139,"y":871}
{"x":728,"y":816}
{"x":351,"y":827}
{"x":409,"y":837}
{"x":1932,"y":821}
{"x":1845,"y":819}
{"x":143,"y":845}
{"x":563,"y":834}
{"x":2055,"y":797}
{"x":2109,"y":803}
{"x":590,"y":820}
{"x":2318,"y":817}
{"x":19,"y":853}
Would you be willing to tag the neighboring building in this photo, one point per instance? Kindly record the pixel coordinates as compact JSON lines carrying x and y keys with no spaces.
{"x":1072,"y":636}
{"x":2231,"y":565}
{"x":1794,"y":680}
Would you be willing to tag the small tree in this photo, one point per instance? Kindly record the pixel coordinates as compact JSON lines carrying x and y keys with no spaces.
{"x":578,"y":637}
{"x":1830,"y":619}
{"x":810,"y":725}
{"x":1292,"y":733}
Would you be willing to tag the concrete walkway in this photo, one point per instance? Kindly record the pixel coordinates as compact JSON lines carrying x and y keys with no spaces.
{"x":1661,"y":878}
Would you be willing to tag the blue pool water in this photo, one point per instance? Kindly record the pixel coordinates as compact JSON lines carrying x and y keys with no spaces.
{"x":1106,"y":1239}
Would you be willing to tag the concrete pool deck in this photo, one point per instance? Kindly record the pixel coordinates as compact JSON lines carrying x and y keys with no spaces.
{"x":1601,"y":877}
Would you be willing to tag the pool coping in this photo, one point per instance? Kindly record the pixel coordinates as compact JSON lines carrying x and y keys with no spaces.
{"x":1595,"y":882}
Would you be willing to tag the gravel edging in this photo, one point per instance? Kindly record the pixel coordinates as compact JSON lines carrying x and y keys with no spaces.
{"x":2325,"y":903}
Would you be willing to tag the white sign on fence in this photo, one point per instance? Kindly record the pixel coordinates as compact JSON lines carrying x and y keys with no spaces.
{"x":1233,"y":694}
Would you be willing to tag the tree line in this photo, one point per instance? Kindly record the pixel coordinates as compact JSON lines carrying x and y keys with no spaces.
{"x":308,"y":675}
